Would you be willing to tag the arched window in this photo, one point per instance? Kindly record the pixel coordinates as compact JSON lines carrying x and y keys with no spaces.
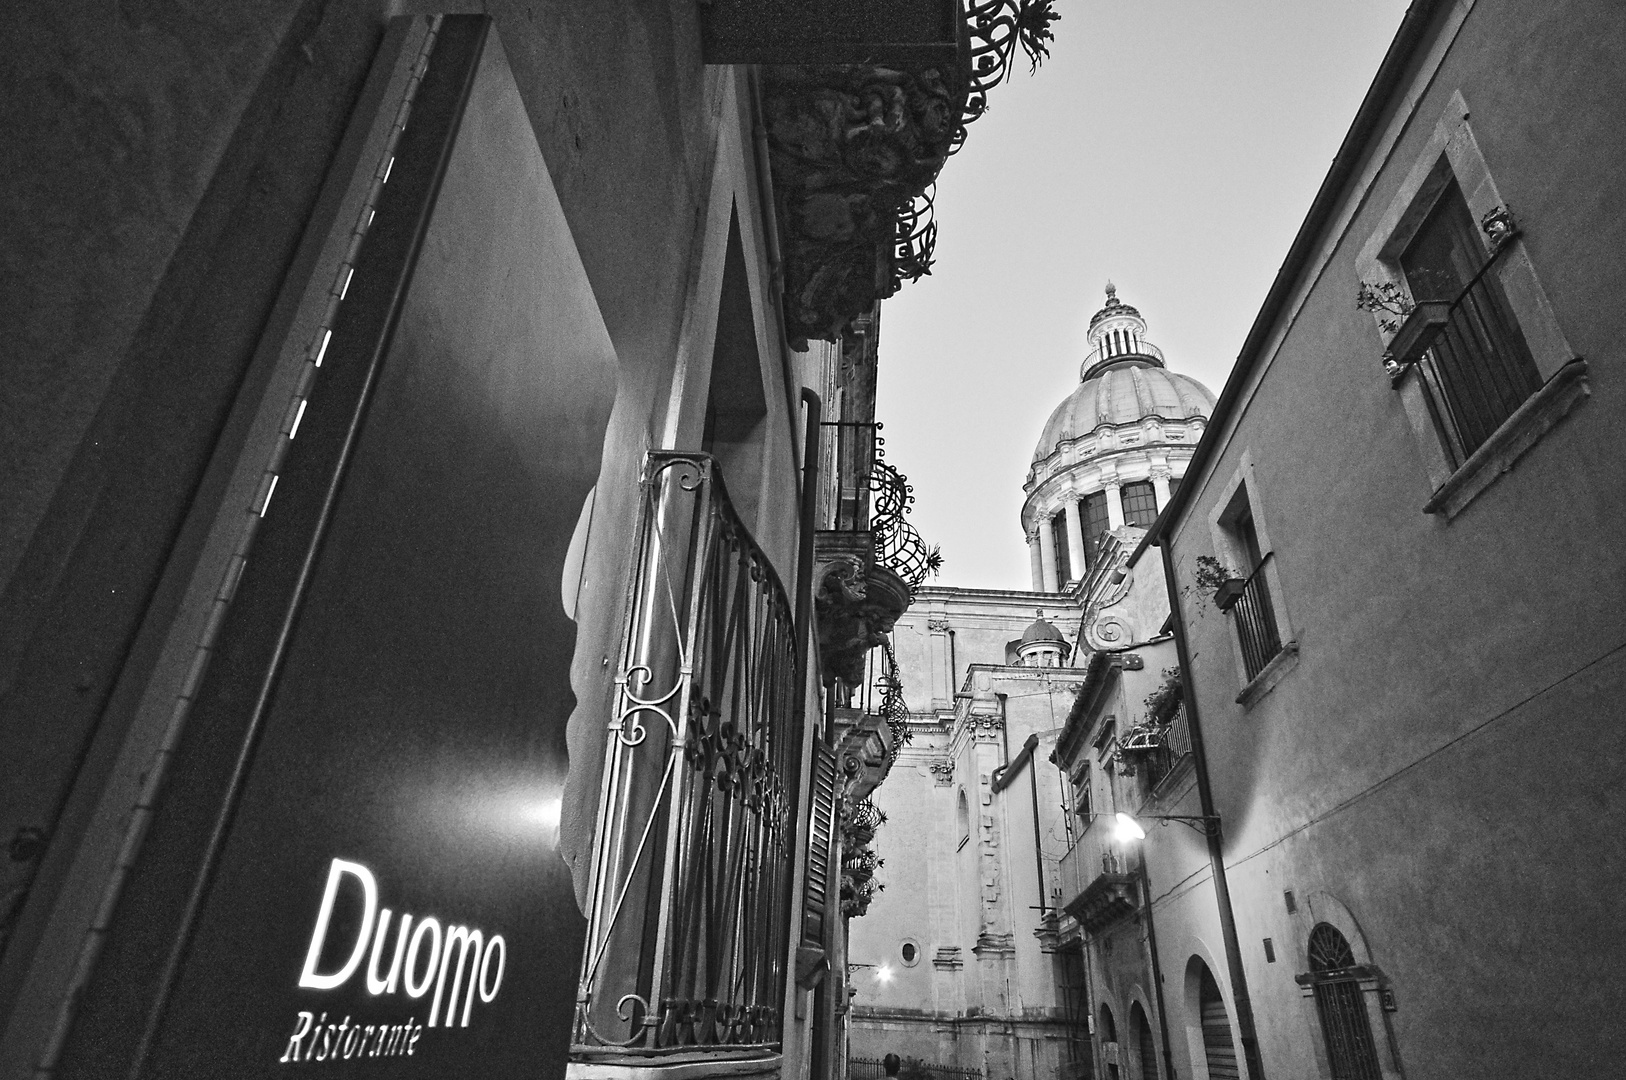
{"x":963,"y":813}
{"x":1339,"y":1004}
{"x":1144,"y":1042}
{"x":1218,"y":1046}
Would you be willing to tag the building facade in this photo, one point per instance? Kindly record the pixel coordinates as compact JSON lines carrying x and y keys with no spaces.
{"x":1410,"y":729}
{"x":435,"y":590}
{"x":978,"y":955}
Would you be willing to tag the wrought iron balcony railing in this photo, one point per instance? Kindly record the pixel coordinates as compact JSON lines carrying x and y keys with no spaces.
{"x":1475,"y":365}
{"x":1173,"y":746}
{"x":1255,"y":621}
{"x":689,"y":900}
{"x":872,"y":496}
{"x":1116,"y":348}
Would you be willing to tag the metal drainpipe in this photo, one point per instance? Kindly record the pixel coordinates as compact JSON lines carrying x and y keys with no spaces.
{"x":1157,"y":966}
{"x":1216,"y":855}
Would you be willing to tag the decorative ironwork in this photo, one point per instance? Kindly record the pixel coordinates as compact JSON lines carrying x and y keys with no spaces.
{"x":1339,"y":1004}
{"x":873,"y":496}
{"x":996,"y":28}
{"x":917,"y":238}
{"x":689,"y":895}
{"x":1255,"y":620}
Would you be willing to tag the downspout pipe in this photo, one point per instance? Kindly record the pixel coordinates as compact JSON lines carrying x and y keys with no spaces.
{"x":1157,"y":967}
{"x":1216,"y":855}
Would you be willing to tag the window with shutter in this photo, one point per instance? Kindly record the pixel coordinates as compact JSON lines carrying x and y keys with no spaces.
{"x":817,"y":891}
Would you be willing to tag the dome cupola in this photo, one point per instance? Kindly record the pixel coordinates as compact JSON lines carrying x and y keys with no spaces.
{"x":1112,"y":450}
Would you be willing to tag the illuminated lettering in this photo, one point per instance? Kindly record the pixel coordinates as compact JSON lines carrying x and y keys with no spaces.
{"x":309,"y":978}
{"x":424,"y":925}
{"x":469,"y":944}
{"x":375,"y":985}
{"x":498,"y":948}
{"x":292,"y":1053}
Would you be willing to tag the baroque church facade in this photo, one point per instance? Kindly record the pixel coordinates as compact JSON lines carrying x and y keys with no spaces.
{"x":970,"y":957}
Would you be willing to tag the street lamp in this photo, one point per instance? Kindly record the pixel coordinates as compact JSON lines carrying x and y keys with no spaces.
{"x":1128,"y":829}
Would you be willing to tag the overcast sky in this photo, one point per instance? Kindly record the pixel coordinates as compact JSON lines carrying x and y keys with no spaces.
{"x":1172,"y":146}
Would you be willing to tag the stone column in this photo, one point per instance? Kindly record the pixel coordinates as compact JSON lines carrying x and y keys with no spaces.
{"x":1160,"y":488}
{"x":1047,"y":554}
{"x":1075,"y":538}
{"x":1036,"y":558}
{"x":1115,"y":506}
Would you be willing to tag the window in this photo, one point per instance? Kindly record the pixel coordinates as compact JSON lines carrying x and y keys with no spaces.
{"x":909,"y":952}
{"x":1249,"y":607}
{"x":1140,"y":503}
{"x":1081,"y":798}
{"x":1064,"y":553}
{"x":1478,"y":369}
{"x":1480,"y":365}
{"x":963,"y":812}
{"x":1092,"y":514}
{"x":1340,"y":1006}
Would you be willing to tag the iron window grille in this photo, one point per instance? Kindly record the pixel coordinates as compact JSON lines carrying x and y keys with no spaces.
{"x":689,"y":897}
{"x":1255,"y":620}
{"x":1335,"y":983}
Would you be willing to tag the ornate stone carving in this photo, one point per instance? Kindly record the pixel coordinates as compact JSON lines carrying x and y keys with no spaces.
{"x":856,"y":607}
{"x":984,"y":728}
{"x":942,"y":771}
{"x":937,"y":624}
{"x":851,"y":147}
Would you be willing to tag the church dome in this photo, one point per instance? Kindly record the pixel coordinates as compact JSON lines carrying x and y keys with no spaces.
{"x":1039,"y":630}
{"x":1123,"y":381}
{"x":1124,"y":393}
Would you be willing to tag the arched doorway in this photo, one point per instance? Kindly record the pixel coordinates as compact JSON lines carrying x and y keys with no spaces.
{"x":1338,"y":1003}
{"x":1145,"y":1044}
{"x":1219,"y":1050}
{"x":1109,"y":1043}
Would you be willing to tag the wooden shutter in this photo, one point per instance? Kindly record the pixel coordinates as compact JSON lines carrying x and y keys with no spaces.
{"x":818,"y":892}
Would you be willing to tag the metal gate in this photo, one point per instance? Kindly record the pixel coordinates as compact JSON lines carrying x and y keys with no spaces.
{"x":1341,"y":1007}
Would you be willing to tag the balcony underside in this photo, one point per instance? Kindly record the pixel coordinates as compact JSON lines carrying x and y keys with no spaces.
{"x":1104,"y":901}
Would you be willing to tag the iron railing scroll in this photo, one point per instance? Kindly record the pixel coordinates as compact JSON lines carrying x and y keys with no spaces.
{"x":689,"y":898}
{"x":1255,"y":621}
{"x":872,"y":496}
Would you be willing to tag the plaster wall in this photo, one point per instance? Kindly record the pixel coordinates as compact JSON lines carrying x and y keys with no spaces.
{"x":1441,"y":762}
{"x":170,"y":166}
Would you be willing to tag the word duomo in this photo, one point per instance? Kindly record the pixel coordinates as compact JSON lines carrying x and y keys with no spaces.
{"x":423,"y":958}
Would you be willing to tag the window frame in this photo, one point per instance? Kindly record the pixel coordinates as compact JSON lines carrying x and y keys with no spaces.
{"x":1452,"y":153}
{"x":1232,"y":551}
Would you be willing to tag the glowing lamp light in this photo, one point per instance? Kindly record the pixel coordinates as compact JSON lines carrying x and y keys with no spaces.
{"x":1128,"y":829}
{"x":883,"y":973}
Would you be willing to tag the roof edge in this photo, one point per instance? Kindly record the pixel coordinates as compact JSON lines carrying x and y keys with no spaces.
{"x":1414,"y":30}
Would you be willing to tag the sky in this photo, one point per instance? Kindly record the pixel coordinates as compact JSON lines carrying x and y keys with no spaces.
{"x":1171,"y":146}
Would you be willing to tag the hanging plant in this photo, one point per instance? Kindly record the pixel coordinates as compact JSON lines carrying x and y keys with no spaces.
{"x":1387,"y":300}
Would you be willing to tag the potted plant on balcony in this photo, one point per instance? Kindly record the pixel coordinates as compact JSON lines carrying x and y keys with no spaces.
{"x":1217,"y":581}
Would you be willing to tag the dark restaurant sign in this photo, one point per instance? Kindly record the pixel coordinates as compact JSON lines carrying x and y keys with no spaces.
{"x":354,"y":868}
